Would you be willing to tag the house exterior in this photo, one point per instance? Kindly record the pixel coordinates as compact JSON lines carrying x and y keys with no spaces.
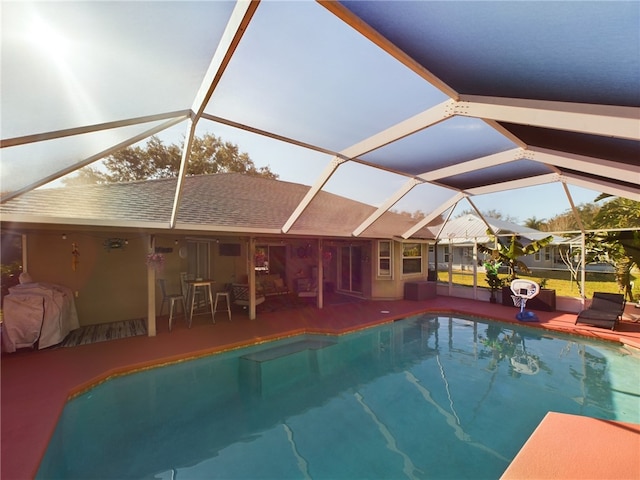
{"x":459,"y":236}
{"x":109,"y":243}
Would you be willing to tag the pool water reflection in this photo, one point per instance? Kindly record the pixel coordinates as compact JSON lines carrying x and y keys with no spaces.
{"x":431,"y":396}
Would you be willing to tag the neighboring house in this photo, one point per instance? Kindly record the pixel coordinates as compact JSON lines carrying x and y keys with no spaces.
{"x":459,"y":235}
{"x":95,"y":240}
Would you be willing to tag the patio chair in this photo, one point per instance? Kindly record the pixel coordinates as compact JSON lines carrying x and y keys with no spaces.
{"x":170,"y":299}
{"x":240,"y":295}
{"x":605,"y":310}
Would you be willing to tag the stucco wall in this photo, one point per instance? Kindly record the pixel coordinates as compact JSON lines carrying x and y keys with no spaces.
{"x":393,"y":289}
{"x":109,"y":285}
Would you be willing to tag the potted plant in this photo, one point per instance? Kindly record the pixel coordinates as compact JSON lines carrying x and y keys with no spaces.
{"x":495,"y":283}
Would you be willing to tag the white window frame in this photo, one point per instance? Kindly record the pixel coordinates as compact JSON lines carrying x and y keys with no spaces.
{"x":386,"y":273}
{"x":412,"y":258}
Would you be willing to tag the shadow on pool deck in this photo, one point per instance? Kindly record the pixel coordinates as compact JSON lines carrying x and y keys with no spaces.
{"x":36,"y":384}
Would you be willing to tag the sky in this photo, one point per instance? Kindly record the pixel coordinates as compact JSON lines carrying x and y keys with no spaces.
{"x":313,"y":79}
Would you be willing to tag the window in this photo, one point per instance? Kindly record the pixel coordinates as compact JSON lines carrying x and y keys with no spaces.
{"x":411,"y":258}
{"x":446,"y":254}
{"x":536,"y":256}
{"x":547,"y":253}
{"x":384,"y":258}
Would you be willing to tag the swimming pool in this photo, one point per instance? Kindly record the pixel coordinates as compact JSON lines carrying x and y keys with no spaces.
{"x":431,"y":396}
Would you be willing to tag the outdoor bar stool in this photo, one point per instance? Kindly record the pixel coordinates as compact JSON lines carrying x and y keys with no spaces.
{"x":224,"y":295}
{"x":171,"y":299}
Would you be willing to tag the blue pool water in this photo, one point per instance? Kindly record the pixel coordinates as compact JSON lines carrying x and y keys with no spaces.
{"x":432,"y":396}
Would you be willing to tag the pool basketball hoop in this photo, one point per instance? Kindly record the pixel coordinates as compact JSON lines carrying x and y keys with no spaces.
{"x":524,"y":290}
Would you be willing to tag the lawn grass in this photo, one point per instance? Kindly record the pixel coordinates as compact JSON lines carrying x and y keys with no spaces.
{"x":556,"y":280}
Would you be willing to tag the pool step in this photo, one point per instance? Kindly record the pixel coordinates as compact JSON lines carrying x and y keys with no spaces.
{"x":288,"y":349}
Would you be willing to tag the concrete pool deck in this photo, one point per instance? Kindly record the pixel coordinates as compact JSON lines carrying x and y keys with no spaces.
{"x":36,"y":384}
{"x":585,"y":448}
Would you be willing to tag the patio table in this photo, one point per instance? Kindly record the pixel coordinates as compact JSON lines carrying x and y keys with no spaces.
{"x":192,"y":286}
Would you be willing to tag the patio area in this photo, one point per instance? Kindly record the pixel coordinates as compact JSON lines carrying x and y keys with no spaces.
{"x":36,"y":384}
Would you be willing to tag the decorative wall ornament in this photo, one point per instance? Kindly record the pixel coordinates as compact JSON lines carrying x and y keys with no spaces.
{"x":75,"y":256}
{"x":115,"y":243}
{"x":156,"y":261}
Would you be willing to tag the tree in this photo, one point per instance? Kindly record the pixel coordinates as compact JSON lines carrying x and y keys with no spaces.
{"x":493,"y":213}
{"x":209,"y":154}
{"x":567,"y":221}
{"x":535,"y":223}
{"x":617,"y":213}
{"x":509,"y":253}
{"x":416,"y":215}
{"x":620,"y":248}
{"x":562,"y":223}
{"x":568,"y":256}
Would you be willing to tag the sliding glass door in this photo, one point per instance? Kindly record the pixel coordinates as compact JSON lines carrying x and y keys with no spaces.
{"x":350,"y":269}
{"x":198,"y":259}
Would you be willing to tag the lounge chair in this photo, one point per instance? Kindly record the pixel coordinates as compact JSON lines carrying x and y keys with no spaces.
{"x":605,"y":310}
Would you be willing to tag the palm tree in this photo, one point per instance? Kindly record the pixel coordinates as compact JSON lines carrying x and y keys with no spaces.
{"x":537,"y":224}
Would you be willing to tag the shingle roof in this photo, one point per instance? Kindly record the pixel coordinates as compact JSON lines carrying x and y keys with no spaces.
{"x":225,"y":201}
